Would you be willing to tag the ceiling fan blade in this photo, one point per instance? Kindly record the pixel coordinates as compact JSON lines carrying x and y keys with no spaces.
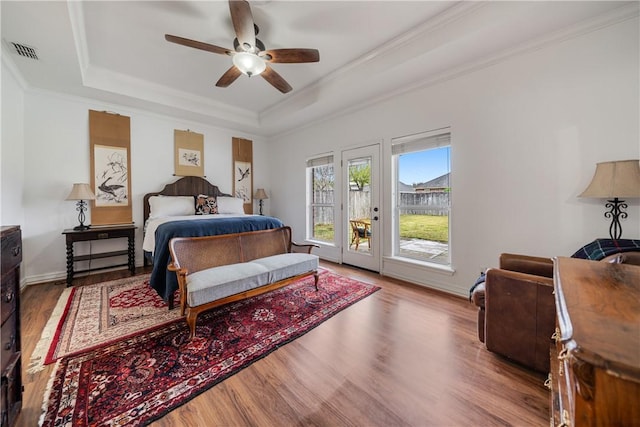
{"x":229,"y":77}
{"x":291,"y":55}
{"x":276,"y":80}
{"x":243,"y":24}
{"x":197,"y":45}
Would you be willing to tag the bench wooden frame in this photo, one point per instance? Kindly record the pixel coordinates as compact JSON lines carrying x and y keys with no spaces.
{"x":193,"y":254}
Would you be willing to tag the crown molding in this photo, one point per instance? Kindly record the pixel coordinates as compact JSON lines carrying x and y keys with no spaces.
{"x":613,"y":17}
{"x":415,"y":35}
{"x":76,"y":18}
{"x":165,"y":98}
{"x":173,"y":114}
{"x":121,"y":84}
{"x":10,"y":65}
{"x":100,"y":78}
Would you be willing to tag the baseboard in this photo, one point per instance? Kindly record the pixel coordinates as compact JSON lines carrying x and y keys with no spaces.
{"x":43,"y":278}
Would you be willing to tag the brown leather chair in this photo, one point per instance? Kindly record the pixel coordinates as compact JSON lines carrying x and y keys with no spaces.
{"x":516,"y":307}
{"x":516,"y":315}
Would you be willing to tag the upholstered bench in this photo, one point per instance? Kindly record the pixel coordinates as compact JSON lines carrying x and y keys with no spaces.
{"x":216,"y":270}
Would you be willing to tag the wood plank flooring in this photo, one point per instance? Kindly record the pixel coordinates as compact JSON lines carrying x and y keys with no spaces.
{"x":405,"y":356}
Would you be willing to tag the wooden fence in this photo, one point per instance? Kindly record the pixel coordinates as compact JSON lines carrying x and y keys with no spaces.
{"x":436,"y":203}
{"x":323,"y":215}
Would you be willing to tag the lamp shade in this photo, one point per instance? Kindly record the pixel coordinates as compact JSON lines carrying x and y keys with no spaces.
{"x":615,"y":179}
{"x":81,"y":192}
{"x":260,"y":194}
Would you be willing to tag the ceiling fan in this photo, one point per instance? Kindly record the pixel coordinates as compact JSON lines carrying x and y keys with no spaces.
{"x":249,"y":55}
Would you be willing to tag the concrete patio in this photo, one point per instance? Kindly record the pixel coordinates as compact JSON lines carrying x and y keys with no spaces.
{"x":418,"y":248}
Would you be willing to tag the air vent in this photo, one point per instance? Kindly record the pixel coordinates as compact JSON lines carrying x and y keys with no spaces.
{"x":24,"y":50}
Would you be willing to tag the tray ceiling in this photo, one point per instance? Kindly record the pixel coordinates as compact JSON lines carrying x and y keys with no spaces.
{"x":115,"y":51}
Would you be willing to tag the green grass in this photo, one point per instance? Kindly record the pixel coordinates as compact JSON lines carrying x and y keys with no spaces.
{"x":324,"y":232}
{"x":425,"y":227}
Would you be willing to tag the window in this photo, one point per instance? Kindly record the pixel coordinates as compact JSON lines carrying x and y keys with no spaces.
{"x":422,"y":196}
{"x":320,"y":199}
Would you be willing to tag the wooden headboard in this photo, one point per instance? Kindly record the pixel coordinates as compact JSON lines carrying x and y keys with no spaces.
{"x":185,"y":186}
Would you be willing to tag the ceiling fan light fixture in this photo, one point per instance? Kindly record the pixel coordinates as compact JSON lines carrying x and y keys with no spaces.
{"x":249,"y":55}
{"x":249,"y":64}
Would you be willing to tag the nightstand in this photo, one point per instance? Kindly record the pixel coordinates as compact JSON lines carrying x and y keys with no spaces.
{"x":100,"y":233}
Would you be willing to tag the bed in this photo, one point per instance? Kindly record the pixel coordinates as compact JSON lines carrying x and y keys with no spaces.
{"x":171,"y":213}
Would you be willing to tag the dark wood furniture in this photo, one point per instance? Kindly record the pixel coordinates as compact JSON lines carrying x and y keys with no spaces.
{"x":595,"y":365}
{"x":100,"y":233}
{"x":185,"y":186}
{"x":10,"y":360}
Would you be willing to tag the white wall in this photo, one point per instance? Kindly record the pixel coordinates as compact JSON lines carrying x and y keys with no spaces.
{"x":526,"y":136}
{"x":11,"y":152}
{"x":56,"y":154}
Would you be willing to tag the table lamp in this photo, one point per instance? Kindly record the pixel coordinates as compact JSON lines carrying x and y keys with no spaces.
{"x":260,"y":195}
{"x":81,"y":192}
{"x":612,"y":181}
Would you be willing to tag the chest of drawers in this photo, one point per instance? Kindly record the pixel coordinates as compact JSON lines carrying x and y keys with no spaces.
{"x":595,"y":365}
{"x":10,"y":355}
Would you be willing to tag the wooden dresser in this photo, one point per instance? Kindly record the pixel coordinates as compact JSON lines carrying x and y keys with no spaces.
{"x":10,"y":360}
{"x":595,"y":365}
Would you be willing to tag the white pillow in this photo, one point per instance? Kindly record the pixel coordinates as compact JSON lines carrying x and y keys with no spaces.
{"x":171,"y":206}
{"x":230,"y":205}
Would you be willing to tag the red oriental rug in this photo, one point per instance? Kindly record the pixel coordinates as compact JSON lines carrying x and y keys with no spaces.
{"x":92,"y":316}
{"x":142,"y":378}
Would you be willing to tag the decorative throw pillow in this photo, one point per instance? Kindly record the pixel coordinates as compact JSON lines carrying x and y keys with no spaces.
{"x":206,"y":205}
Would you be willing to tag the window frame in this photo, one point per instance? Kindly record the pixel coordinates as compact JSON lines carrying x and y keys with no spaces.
{"x":423,"y":141}
{"x":327,"y":159}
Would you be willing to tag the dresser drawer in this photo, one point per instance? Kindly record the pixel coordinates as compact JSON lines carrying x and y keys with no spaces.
{"x":562,"y":386}
{"x":10,"y":355}
{"x":8,"y":340}
{"x":11,"y":250}
{"x":8,"y":295}
{"x":11,"y":391}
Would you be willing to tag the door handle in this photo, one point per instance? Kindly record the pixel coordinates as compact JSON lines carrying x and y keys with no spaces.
{"x":375,"y":218}
{"x":375,"y":209}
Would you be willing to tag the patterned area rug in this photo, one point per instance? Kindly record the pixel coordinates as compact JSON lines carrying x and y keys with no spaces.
{"x":90,"y":316}
{"x":142,"y":378}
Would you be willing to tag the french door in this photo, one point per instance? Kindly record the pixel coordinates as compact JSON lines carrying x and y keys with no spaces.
{"x":361,"y":210}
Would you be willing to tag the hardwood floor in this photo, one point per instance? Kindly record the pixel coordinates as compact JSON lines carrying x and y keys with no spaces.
{"x":404,"y":356}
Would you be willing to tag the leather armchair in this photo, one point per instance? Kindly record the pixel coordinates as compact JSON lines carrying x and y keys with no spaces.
{"x":516,"y":309}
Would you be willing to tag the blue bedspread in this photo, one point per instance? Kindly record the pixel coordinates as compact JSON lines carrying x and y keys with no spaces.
{"x":164,"y":281}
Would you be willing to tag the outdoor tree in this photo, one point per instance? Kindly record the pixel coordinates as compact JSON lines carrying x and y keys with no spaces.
{"x":360,"y":175}
{"x":323,"y":178}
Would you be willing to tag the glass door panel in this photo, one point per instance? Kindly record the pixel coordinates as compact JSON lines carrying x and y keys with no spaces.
{"x":361,"y":211}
